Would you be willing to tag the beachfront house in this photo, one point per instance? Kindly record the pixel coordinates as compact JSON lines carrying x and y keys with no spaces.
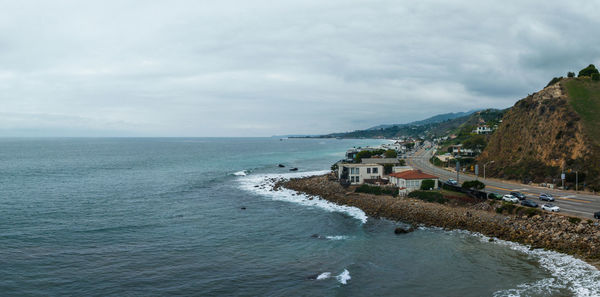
{"x":410,"y":180}
{"x":357,"y":174}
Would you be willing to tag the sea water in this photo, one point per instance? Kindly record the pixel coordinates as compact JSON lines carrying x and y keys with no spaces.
{"x":196,"y":216}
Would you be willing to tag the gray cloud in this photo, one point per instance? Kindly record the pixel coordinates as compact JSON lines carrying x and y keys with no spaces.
{"x":257,"y":68}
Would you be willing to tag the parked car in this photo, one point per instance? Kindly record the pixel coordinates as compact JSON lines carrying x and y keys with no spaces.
{"x":452,"y":182}
{"x":518,"y":195}
{"x":546,"y":197}
{"x":597,"y":215}
{"x":551,"y":207}
{"x":494,"y":196}
{"x":510,"y":198}
{"x":529,"y":203}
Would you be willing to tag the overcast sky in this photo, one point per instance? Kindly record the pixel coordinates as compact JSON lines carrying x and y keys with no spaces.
{"x":259,"y":68}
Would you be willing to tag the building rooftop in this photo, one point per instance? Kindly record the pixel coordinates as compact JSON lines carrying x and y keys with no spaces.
{"x":412,"y":174}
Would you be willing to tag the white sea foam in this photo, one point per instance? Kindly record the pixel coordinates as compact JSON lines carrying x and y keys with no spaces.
{"x":324,"y":275}
{"x":263,"y":185}
{"x":344,"y":277}
{"x":568,"y":272}
{"x":337,"y":237}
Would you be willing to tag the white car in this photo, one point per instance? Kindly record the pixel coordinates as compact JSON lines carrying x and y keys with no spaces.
{"x":551,"y":207}
{"x":510,"y":198}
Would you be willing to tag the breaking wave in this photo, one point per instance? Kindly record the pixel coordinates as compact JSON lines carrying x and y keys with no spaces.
{"x":568,"y":272}
{"x":343,"y":277}
{"x":263,"y":185}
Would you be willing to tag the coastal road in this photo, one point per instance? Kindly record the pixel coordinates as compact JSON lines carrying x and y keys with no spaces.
{"x":570,"y":202}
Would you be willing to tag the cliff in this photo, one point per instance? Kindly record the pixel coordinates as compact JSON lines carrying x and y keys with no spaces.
{"x":547,"y":132}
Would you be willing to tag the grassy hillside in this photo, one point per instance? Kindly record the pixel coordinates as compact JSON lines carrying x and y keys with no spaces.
{"x":584,"y":97}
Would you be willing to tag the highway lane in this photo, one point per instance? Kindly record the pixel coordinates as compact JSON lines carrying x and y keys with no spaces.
{"x":579,"y":204}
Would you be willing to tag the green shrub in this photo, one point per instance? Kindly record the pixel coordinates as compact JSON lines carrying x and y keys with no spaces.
{"x":588,"y":71}
{"x":529,"y":211}
{"x":376,"y":190}
{"x":509,"y":208}
{"x":390,"y":154}
{"x":595,"y":77}
{"x":571,"y":74}
{"x":574,"y":220}
{"x":428,"y":196}
{"x":554,"y":80}
{"x":473,"y":184}
{"x":427,"y":184}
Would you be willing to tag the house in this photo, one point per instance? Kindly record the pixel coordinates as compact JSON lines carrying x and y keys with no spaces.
{"x":410,"y":180}
{"x":460,"y":151}
{"x":351,"y":154}
{"x":483,"y":129}
{"x":356,"y":174}
{"x":445,"y":157}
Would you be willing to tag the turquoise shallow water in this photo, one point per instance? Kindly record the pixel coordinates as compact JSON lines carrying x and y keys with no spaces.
{"x":163,"y":216}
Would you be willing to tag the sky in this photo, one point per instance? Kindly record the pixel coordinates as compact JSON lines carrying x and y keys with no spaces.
{"x":261,"y":68}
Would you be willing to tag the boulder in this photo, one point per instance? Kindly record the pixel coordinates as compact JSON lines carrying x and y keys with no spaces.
{"x":403,"y":230}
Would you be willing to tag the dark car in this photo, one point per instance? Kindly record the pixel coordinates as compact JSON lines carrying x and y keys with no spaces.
{"x":597,"y":215}
{"x":494,"y":196}
{"x":518,"y":195}
{"x":529,"y":203}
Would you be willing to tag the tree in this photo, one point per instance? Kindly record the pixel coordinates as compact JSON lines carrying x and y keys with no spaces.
{"x":473,"y":184}
{"x":427,"y":184}
{"x":361,"y":155}
{"x":595,"y":76}
{"x":588,"y":71}
{"x":390,"y":154}
{"x":571,"y":74}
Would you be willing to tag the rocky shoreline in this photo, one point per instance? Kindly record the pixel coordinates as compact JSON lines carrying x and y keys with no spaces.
{"x":551,"y":231}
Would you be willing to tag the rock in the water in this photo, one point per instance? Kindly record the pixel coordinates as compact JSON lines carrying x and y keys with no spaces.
{"x":403,"y":230}
{"x":281,"y":165}
{"x":243,"y":208}
{"x":294,"y":169}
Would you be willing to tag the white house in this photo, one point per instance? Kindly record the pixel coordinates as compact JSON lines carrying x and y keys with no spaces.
{"x":459,"y":150}
{"x":356,"y":174}
{"x":483,"y":129}
{"x":408,"y":181}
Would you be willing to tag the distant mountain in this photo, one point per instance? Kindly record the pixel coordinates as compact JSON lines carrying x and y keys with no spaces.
{"x":434,"y":119}
{"x":427,"y":128}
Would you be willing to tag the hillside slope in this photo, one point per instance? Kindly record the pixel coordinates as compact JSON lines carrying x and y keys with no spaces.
{"x":547,"y":132}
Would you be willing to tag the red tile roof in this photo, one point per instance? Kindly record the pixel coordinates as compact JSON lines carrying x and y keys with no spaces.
{"x":413,"y":174}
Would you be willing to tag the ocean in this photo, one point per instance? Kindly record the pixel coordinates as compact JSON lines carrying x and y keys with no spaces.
{"x":196,"y":217}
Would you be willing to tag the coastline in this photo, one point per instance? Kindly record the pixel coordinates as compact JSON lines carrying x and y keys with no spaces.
{"x":548,"y":231}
